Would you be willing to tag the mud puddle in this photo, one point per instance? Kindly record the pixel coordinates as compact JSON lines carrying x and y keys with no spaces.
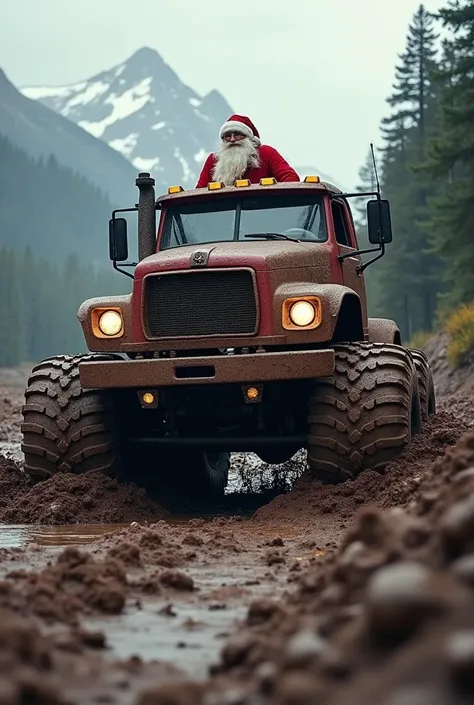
{"x":189,"y":630}
{"x":185,"y":626}
{"x":22,"y":535}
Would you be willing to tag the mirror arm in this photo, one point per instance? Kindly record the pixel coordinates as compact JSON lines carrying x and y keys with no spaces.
{"x":122,"y":271}
{"x":364,"y":266}
{"x":357,"y":252}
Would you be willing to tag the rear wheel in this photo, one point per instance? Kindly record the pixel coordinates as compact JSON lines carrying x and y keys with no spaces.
{"x":425,"y":383}
{"x":366,"y":414}
{"x":205,"y":473}
{"x":66,"y":428}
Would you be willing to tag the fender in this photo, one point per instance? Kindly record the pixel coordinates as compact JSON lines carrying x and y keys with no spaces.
{"x":384,"y":330}
{"x":340,"y":304}
{"x":123,"y":301}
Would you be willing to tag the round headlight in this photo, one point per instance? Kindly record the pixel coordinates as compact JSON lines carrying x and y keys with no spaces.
{"x":302,"y":313}
{"x":110,"y":322}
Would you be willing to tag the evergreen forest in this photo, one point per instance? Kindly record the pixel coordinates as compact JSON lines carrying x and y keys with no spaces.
{"x":53,"y":256}
{"x":426,"y":165}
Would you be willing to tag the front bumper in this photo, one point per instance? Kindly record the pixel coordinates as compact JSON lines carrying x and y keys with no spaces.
{"x":171,"y":372}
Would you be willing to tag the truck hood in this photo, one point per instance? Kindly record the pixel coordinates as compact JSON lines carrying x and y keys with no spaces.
{"x":263,"y":255}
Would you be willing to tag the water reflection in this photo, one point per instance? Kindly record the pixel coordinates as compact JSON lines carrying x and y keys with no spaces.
{"x":20,"y":536}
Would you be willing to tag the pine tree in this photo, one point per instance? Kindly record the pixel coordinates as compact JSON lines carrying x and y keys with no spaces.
{"x":451,"y":154}
{"x":410,"y":270}
{"x":413,"y":95}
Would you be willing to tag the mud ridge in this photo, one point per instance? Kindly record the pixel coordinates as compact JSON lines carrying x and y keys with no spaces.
{"x":309,"y":499}
{"x":70,"y":499}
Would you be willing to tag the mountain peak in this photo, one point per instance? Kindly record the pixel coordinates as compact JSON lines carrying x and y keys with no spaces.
{"x":143,"y":110}
{"x":145,"y":57}
{"x":145,"y":54}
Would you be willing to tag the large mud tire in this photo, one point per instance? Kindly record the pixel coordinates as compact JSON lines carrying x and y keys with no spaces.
{"x":67,"y":429}
{"x":425,"y":383}
{"x":366,"y":414}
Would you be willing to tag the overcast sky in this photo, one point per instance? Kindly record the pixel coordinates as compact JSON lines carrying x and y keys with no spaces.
{"x":313,"y":75}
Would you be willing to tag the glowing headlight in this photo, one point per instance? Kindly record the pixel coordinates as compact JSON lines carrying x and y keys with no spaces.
{"x":110,"y":323}
{"x":302,"y":313}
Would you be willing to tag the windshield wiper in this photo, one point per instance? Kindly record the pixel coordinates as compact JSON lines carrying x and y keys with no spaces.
{"x":271,"y":236}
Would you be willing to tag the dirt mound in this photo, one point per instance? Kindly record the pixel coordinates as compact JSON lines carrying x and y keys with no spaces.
{"x":72,"y":499}
{"x":75,"y":583}
{"x":25,"y":663}
{"x":309,"y":499}
{"x":66,"y":667}
{"x":13,"y":483}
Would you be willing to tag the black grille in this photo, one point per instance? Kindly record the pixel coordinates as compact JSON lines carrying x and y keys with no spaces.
{"x":201,"y":303}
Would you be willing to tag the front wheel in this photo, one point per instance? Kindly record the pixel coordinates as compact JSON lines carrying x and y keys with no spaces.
{"x":366,"y":414}
{"x":66,"y":428}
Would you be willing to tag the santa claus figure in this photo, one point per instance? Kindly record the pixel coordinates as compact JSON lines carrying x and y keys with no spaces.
{"x":241,"y":155}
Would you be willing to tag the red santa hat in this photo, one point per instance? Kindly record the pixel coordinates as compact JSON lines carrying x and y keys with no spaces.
{"x":240,"y":123}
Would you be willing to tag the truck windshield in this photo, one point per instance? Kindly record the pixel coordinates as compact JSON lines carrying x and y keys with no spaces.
{"x":299,"y":217}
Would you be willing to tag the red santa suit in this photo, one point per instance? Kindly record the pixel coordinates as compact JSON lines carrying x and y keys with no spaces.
{"x":271,"y":162}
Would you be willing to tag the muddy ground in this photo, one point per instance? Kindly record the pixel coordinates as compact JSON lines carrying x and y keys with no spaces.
{"x":325,"y":595}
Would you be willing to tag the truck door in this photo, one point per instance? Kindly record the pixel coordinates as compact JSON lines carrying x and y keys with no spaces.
{"x":346,"y":243}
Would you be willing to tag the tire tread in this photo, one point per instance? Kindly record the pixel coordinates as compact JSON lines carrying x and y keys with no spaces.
{"x":360,"y":418}
{"x":66,"y":428}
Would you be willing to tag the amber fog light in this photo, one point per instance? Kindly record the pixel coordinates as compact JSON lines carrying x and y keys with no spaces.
{"x":107,"y":322}
{"x":148,"y":398}
{"x":252,"y":393}
{"x":301,"y":313}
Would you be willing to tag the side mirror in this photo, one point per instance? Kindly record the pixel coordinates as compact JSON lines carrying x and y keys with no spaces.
{"x":118,"y":241}
{"x":379,"y":223}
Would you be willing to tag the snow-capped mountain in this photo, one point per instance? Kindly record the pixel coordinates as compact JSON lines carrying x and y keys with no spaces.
{"x":40,"y":132}
{"x":143,"y":110}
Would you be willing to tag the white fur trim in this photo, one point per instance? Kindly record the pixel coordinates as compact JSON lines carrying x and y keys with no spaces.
{"x":237,"y":126}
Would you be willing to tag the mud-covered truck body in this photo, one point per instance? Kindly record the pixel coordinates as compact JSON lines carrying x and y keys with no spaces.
{"x":246,"y":330}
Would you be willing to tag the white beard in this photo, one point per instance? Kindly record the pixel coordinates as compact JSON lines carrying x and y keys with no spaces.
{"x":233,"y":159}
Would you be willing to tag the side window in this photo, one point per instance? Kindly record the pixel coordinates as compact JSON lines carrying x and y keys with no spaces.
{"x":342,"y":236}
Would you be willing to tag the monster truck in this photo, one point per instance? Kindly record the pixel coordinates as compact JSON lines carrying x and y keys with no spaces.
{"x":246,"y":329}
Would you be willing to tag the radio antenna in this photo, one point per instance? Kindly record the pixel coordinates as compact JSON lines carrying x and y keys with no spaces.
{"x":375,"y":168}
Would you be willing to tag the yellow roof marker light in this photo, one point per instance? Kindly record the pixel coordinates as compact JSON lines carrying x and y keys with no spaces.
{"x":214,"y":185}
{"x":312,"y":179}
{"x":175,"y":189}
{"x":242,"y":182}
{"x":268,"y":181}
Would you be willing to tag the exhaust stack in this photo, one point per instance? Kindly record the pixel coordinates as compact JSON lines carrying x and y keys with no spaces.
{"x":146,"y":215}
